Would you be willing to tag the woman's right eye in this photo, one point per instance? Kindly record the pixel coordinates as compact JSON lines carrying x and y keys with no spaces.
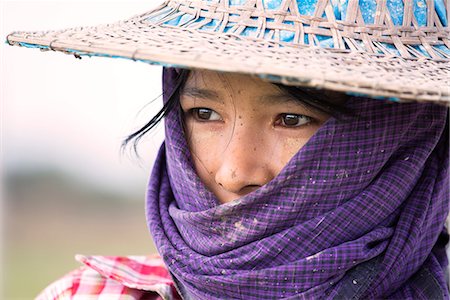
{"x":205,"y":114}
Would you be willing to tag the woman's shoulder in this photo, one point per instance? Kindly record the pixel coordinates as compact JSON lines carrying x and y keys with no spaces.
{"x":114,"y":277}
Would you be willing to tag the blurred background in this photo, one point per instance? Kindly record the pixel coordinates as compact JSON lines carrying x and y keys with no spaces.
{"x":66,"y":186}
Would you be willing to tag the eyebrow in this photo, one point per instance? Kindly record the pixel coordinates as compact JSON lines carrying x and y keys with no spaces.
{"x":266,"y":99}
{"x":280,"y":98}
{"x":200,"y":93}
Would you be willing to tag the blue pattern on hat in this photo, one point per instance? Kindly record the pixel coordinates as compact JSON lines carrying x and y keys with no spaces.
{"x":441,"y":12}
{"x":272,"y":4}
{"x":266,"y":34}
{"x":306,"y":7}
{"x":325,"y":41}
{"x":186,"y":18}
{"x":420,"y":12}
{"x":249,"y":31}
{"x":391,"y":48}
{"x":396,"y":8}
{"x":444,"y":49}
{"x":368,"y":9}
{"x":229,"y":26}
{"x":211,"y":25}
{"x":174,"y":22}
{"x":422,"y":50}
{"x":286,"y":35}
{"x":336,"y":4}
{"x":343,"y":6}
{"x":306,"y":38}
{"x":237,"y":2}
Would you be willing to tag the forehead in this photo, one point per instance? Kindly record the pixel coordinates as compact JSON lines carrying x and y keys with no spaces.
{"x":238,"y":91}
{"x":220,"y":83}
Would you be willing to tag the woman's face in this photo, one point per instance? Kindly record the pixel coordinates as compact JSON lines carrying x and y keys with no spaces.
{"x":242,"y":131}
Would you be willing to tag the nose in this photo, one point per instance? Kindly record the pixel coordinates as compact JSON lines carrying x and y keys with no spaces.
{"x":246,"y":163}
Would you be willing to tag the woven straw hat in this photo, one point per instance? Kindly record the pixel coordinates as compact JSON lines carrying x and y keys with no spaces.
{"x":395,"y":49}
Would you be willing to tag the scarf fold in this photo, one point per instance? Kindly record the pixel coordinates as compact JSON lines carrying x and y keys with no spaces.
{"x":357,"y":212}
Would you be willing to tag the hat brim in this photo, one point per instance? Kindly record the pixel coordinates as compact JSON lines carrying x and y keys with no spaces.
{"x":353,"y":72}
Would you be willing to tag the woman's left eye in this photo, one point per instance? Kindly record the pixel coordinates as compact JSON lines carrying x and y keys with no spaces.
{"x":292,"y":120}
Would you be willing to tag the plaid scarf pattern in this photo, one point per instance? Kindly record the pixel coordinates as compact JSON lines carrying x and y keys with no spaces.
{"x":357,"y":213}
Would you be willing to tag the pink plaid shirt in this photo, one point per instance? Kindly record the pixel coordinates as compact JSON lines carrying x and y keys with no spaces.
{"x":114,"y":277}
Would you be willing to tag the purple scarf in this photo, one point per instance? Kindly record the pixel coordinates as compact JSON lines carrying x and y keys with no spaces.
{"x":357,"y":213}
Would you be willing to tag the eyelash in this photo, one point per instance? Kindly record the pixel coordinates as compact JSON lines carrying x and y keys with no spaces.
{"x":194,"y":112}
{"x":280,"y":120}
{"x":301,"y":120}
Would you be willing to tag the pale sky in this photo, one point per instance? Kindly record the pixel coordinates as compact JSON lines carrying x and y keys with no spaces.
{"x":70,"y":114}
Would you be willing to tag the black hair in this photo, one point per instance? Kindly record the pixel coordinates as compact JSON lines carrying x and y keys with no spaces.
{"x":320,"y":100}
{"x":171,"y":103}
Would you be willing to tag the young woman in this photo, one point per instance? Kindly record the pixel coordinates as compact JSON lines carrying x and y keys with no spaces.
{"x":270,"y":191}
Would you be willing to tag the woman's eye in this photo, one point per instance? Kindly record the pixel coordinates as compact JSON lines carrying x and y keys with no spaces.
{"x":293,"y":120}
{"x":205,"y":114}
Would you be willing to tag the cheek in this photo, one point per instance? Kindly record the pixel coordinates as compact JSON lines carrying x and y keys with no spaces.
{"x":288,"y":148}
{"x":290,"y":145}
{"x":203,"y":145}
